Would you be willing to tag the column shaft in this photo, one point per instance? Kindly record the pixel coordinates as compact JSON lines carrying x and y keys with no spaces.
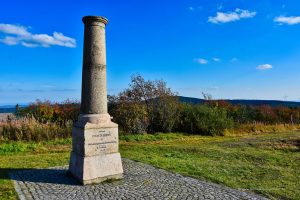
{"x":94,"y":94}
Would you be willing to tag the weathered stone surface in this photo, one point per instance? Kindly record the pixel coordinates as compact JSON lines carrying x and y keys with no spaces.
{"x":94,"y":94}
{"x":97,"y":168}
{"x":140,"y":181}
{"x":95,"y":142}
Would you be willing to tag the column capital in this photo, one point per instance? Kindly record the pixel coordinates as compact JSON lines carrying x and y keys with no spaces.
{"x":90,"y":19}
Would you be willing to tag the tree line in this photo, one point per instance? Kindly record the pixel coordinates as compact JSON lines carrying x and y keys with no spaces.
{"x":148,"y":106}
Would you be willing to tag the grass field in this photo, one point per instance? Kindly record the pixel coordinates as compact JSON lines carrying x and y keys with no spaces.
{"x":267,"y":164}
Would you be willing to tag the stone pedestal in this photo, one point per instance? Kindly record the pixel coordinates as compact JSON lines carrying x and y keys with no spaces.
{"x":95,"y":153}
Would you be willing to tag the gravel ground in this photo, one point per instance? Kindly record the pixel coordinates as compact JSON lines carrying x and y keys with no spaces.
{"x":141,"y":181}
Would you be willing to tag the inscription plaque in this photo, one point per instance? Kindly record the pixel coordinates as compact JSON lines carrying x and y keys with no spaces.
{"x":101,"y":141}
{"x":95,"y":141}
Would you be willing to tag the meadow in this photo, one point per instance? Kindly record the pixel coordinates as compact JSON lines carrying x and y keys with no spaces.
{"x":267,"y":164}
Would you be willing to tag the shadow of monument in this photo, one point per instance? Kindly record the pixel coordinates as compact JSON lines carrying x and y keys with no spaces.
{"x":50,"y":175}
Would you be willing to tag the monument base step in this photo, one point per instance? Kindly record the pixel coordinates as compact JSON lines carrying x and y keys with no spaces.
{"x":95,"y":169}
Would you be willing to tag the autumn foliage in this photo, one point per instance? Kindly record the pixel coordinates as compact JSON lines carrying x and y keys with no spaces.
{"x":149,"y":107}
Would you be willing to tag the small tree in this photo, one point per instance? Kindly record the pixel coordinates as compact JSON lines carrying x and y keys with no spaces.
{"x":149,"y":102}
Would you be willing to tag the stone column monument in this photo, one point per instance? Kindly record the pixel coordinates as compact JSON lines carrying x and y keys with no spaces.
{"x":95,"y":153}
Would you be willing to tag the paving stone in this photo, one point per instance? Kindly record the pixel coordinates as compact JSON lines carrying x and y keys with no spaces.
{"x":141,"y":181}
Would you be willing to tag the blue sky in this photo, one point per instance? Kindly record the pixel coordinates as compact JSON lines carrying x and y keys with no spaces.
{"x":240,"y":49}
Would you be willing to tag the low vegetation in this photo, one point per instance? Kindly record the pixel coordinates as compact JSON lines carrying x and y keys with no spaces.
{"x":29,"y":129}
{"x":267,"y":164}
{"x":149,"y":107}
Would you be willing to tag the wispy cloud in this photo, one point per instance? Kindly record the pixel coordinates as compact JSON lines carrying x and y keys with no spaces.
{"x":48,"y":86}
{"x":26,"y":44}
{"x":264,"y":67}
{"x":64,"y":90}
{"x":234,"y":59}
{"x":19,"y":35}
{"x":201,"y":61}
{"x":216,"y":59}
{"x":220,"y":6}
{"x":236,"y":15}
{"x":195,"y":8}
{"x":43,"y":90}
{"x":292,"y":20}
{"x":191,"y":8}
{"x":13,"y":29}
{"x":8,"y":40}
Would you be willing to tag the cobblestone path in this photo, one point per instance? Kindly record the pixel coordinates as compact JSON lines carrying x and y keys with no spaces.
{"x":140,"y":181}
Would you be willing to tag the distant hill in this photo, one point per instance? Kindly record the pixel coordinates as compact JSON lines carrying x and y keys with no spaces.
{"x":274,"y":103}
{"x":7,"y":110}
{"x":10,"y":108}
{"x":193,"y":100}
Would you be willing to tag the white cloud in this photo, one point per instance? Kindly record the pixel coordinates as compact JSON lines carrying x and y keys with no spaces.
{"x":57,"y":39}
{"x":13,"y":29}
{"x":8,"y":40}
{"x":216,"y":59}
{"x":292,"y":20}
{"x":236,"y":15}
{"x":23,"y":37}
{"x":264,"y":67}
{"x":26,"y":44}
{"x":201,"y":61}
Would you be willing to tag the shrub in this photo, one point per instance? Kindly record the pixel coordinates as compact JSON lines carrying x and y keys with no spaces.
{"x":203,"y":119}
{"x":165,"y":114}
{"x":46,"y":111}
{"x":131,"y":117}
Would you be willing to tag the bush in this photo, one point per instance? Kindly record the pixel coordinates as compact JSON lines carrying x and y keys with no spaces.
{"x":46,"y":111}
{"x":203,"y":119}
{"x":131,"y":117}
{"x":166,"y":112}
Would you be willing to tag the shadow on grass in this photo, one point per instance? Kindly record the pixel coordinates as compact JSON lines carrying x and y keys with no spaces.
{"x":54,"y":176}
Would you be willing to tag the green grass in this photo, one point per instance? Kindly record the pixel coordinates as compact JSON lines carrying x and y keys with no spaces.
{"x":18,"y":155}
{"x":268,"y":164}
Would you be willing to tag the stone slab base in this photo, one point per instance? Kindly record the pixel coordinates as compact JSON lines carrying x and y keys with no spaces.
{"x":95,"y":169}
